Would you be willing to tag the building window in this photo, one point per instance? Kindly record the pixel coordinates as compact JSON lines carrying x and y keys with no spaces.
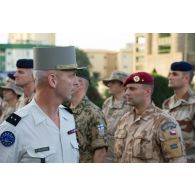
{"x":164,"y":49}
{"x":141,"y":40}
{"x":139,"y":58}
{"x":164,"y":35}
{"x":138,"y":67}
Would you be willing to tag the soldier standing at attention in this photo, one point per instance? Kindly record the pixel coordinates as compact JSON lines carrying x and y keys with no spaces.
{"x":146,"y":133}
{"x":182,"y":104}
{"x":114,"y":107}
{"x":90,"y":122}
{"x":24,"y":78}
{"x":43,"y":130}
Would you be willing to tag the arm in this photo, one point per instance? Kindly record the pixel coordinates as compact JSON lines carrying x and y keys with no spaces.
{"x":99,"y":155}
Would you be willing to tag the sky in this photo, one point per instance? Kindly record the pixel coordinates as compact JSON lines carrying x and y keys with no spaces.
{"x":83,"y":40}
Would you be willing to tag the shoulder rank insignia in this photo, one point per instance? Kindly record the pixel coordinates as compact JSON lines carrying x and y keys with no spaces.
{"x":7,"y":138}
{"x":69,"y":110}
{"x":14,"y":119}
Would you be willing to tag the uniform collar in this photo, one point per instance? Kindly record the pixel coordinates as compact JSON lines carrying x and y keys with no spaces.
{"x":38,"y":114}
{"x":120,"y":103}
{"x":188,"y":98}
{"x":78,"y":109}
{"x":147,"y":114}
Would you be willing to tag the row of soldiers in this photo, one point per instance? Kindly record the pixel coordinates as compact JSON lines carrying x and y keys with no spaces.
{"x":129,"y":128}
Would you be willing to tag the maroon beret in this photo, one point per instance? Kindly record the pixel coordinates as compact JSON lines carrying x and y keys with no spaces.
{"x":140,"y":78}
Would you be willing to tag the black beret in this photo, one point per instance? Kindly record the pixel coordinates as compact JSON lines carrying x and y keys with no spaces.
{"x":181,"y":66}
{"x":83,"y":73}
{"x":11,"y":75}
{"x":24,"y":63}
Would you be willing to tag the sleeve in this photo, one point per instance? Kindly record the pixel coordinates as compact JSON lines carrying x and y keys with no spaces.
{"x":8,"y":144}
{"x":98,"y":130}
{"x":171,"y":140}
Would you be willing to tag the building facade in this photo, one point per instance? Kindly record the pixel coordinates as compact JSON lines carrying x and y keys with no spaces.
{"x":154,"y":52}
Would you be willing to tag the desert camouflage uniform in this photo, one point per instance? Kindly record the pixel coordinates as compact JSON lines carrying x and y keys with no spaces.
{"x":91,"y":127}
{"x":113,"y":113}
{"x":23,"y":101}
{"x":153,"y":137}
{"x":183,"y":111}
{"x":7,"y":111}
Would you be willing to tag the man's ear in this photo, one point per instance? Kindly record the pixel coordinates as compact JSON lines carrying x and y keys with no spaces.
{"x":52,"y":80}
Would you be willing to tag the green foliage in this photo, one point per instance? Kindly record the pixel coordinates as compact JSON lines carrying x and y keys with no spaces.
{"x":92,"y":93}
{"x":82,"y":59}
{"x":161,"y":90}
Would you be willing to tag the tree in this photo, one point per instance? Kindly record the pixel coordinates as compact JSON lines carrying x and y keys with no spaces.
{"x":92,"y":93}
{"x":161,"y":90}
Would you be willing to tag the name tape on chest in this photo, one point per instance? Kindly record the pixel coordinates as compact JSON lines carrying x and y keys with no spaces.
{"x":42,"y":149}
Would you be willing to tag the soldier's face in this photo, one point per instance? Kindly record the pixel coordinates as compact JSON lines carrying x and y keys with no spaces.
{"x":135,"y":94}
{"x":176,"y":79}
{"x":9,"y":95}
{"x":66,"y":82}
{"x":23,"y":76}
{"x":115,"y":87}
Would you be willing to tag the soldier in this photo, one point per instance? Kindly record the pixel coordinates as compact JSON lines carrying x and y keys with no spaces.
{"x":24,"y":78}
{"x":11,"y":94}
{"x":146,"y":133}
{"x":182,"y":104}
{"x":114,"y":107}
{"x":43,"y":130}
{"x":90,"y":122}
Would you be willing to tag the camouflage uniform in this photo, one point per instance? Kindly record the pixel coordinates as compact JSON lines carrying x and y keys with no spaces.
{"x":153,"y":137}
{"x":7,"y":111}
{"x":91,"y":129}
{"x":183,"y":110}
{"x":23,"y":101}
{"x":113,"y":113}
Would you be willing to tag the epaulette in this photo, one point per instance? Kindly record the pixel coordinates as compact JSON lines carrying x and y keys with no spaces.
{"x":13,"y":119}
{"x":68,"y":109}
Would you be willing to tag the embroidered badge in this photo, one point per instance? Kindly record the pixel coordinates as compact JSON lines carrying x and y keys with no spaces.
{"x":172,"y":132}
{"x":7,"y":138}
{"x":100,"y":129}
{"x":168,"y":125}
{"x":72,"y":131}
{"x":174,"y":146}
{"x":136,"y":78}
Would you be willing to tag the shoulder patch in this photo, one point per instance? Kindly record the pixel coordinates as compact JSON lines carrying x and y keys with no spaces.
{"x":68,"y":109}
{"x":168,"y":126}
{"x":7,"y":138}
{"x":13,"y":119}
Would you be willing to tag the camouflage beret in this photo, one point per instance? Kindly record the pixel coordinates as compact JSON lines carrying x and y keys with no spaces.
{"x":181,"y":66}
{"x":116,"y":76}
{"x":24,"y":63}
{"x":140,"y":78}
{"x":83,"y":73}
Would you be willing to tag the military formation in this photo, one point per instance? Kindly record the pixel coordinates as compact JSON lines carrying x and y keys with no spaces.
{"x":46,"y":116}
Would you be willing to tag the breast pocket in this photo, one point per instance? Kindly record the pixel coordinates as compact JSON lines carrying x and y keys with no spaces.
{"x":75,"y":149}
{"x":142,"y":148}
{"x":34,"y":156}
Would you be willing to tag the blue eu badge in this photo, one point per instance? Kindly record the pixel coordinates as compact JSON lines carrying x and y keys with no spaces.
{"x":7,"y":138}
